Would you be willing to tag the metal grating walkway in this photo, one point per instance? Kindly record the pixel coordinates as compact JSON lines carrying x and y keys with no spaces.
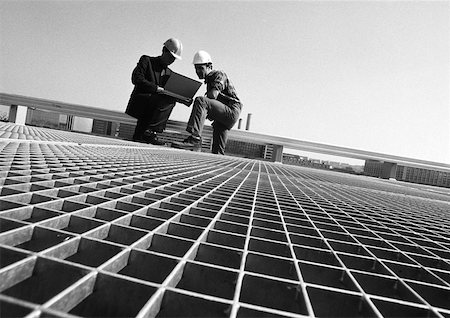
{"x":97,"y":227}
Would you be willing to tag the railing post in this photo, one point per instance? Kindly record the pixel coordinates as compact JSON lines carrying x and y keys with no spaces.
{"x":17,"y":114}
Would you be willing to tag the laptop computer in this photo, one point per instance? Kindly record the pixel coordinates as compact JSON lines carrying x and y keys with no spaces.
{"x":181,"y":87}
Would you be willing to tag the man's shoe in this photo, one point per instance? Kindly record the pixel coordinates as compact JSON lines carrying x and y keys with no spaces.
{"x":190,"y":143}
{"x":150,"y":137}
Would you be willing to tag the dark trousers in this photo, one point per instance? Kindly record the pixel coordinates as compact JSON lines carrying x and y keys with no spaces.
{"x":154,"y":119}
{"x":223,"y":116}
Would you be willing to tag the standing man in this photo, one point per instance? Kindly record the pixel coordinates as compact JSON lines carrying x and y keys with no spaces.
{"x":220,"y":104}
{"x":147,"y":104}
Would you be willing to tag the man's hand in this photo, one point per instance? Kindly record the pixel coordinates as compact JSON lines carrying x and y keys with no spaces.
{"x":159,"y":89}
{"x":186,"y":102}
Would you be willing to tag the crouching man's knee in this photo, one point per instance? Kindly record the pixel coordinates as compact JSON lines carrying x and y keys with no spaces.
{"x":200,"y":100}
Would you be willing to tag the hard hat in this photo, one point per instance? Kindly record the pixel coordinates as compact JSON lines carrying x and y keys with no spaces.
{"x":175,"y":47}
{"x":202,"y":57}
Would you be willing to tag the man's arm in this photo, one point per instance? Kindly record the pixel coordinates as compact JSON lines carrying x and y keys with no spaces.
{"x":139,"y":79}
{"x":212,"y":93}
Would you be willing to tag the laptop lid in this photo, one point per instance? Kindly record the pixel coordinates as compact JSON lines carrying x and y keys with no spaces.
{"x":181,"y":87}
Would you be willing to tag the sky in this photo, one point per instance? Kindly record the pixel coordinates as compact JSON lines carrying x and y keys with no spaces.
{"x":369,"y":75}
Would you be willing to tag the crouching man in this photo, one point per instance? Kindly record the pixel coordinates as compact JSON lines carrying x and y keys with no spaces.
{"x":220,"y":105}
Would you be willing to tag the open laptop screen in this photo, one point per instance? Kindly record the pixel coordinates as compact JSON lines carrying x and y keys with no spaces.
{"x":181,"y":87}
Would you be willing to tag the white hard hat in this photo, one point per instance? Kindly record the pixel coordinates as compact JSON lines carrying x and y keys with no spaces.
{"x":175,"y":47}
{"x":202,"y":57}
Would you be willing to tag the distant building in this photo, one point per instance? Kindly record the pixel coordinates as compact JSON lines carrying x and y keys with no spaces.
{"x":304,"y":161}
{"x":374,"y":168}
{"x":103,"y":127}
{"x":53,"y":120}
{"x":46,"y":119}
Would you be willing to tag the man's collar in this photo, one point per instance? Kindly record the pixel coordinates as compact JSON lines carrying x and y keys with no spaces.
{"x":159,"y":63}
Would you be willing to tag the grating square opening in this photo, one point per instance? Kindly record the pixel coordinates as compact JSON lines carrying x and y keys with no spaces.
{"x":7,"y":225}
{"x":268,"y":225}
{"x":142,"y":201}
{"x":215,"y":201}
{"x":145,"y":223}
{"x":300,"y":229}
{"x":209,"y":206}
{"x":328,"y":226}
{"x":383,"y":286}
{"x":37,"y":214}
{"x":160,"y":213}
{"x":308,"y":241}
{"x":413,"y":273}
{"x":105,"y":214}
{"x":273,"y":294}
{"x":93,"y":253}
{"x":47,"y":280}
{"x":80,"y":225}
{"x":267,"y":217}
{"x":219,"y":256}
{"x":271,"y":266}
{"x":70,"y":206}
{"x":42,"y":239}
{"x":172,"y":206}
{"x":432,"y":262}
{"x":234,"y":218}
{"x":269,"y":247}
{"x":65,"y":193}
{"x":440,"y":252}
{"x":10,"y":191}
{"x":148,"y":267}
{"x":373,"y":242}
{"x":8,"y":257}
{"x":315,"y":255}
{"x":392,"y":255}
{"x":230,"y":227}
{"x":269,"y":234}
{"x":169,"y":245}
{"x":349,"y":248}
{"x":123,"y":235}
{"x":114,"y":297}
{"x":225,"y":239}
{"x":181,"y":201}
{"x":8,"y":205}
{"x":94,"y":200}
{"x":184,"y":231}
{"x":410,"y":248}
{"x":442,"y":275}
{"x":436,"y":296}
{"x":327,"y":303}
{"x":364,"y":264}
{"x":129,"y":191}
{"x":394,"y":309}
{"x":13,"y":310}
{"x":193,"y":220}
{"x":208,"y":280}
{"x":326,"y":276}
{"x":202,"y":212}
{"x":237,"y":211}
{"x":294,"y":217}
{"x":244,"y":312}
{"x":127,"y":207}
{"x":180,"y":305}
{"x":113,"y":195}
{"x":337,"y":236}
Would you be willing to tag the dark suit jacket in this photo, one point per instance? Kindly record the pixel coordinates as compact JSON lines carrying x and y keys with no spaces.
{"x":146,"y":77}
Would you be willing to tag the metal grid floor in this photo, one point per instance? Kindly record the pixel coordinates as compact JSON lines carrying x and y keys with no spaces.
{"x":95,"y":227}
